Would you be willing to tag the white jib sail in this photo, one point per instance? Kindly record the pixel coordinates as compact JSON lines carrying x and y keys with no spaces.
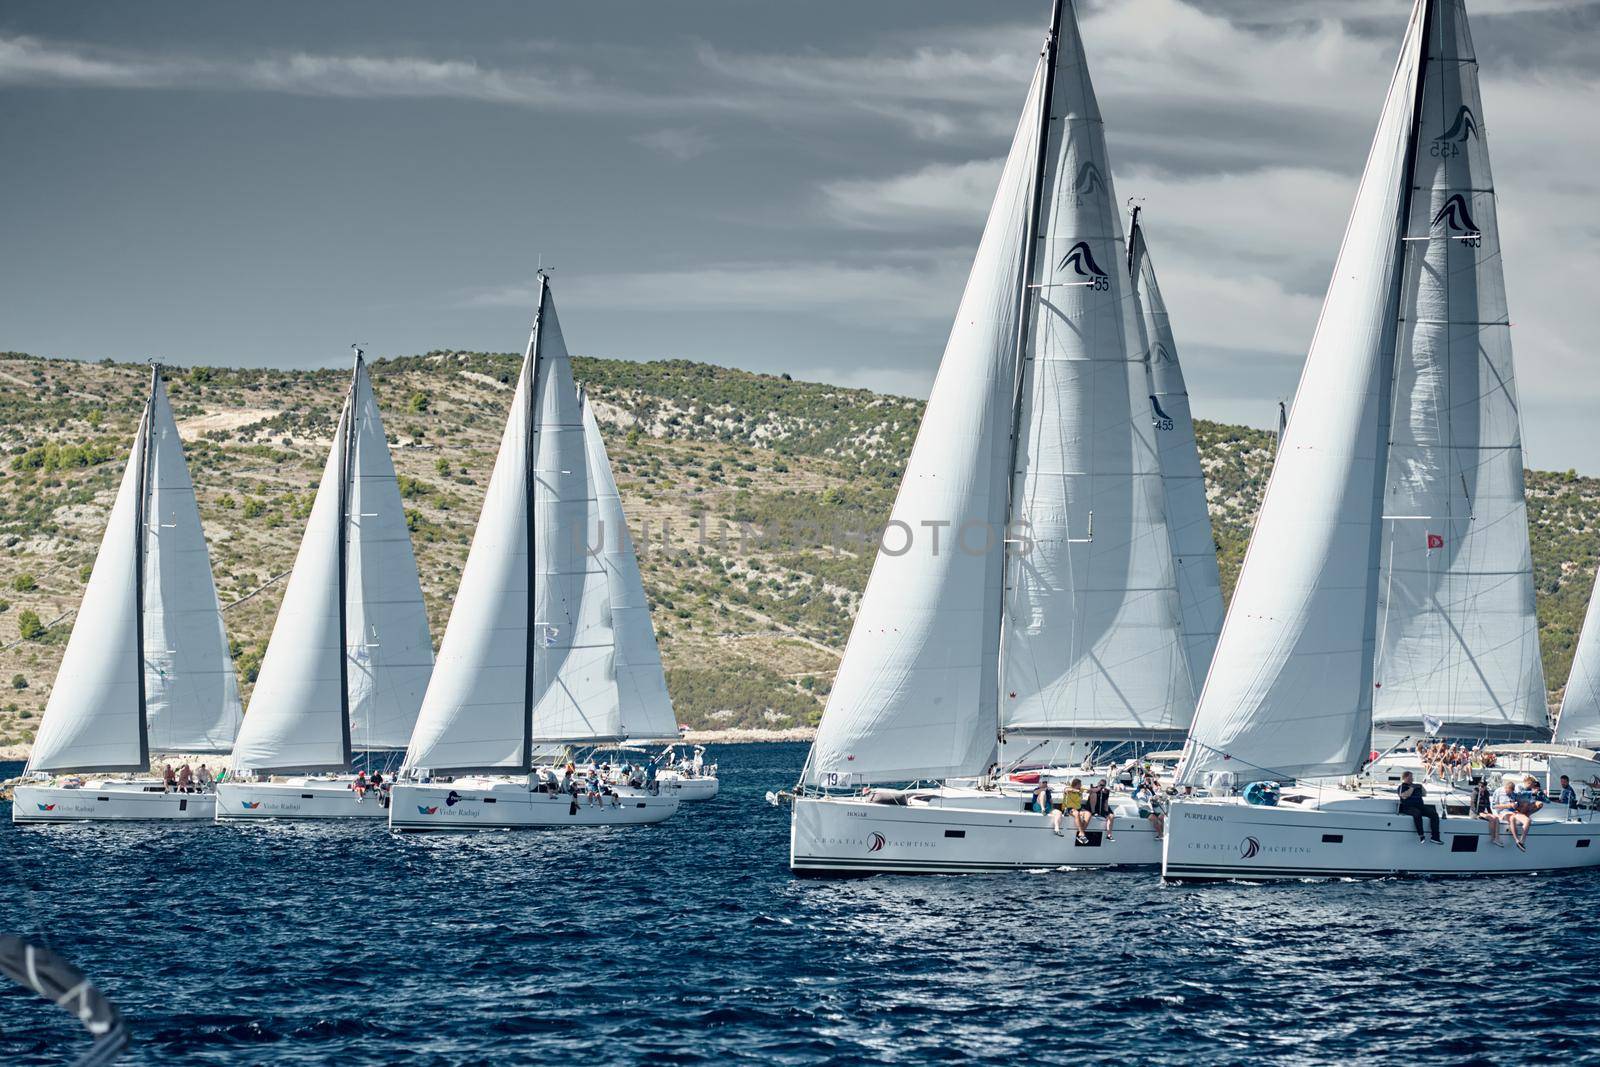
{"x":574,"y":696}
{"x":1458,"y":637}
{"x":92,"y":720}
{"x":1289,"y":691}
{"x":645,"y":709}
{"x":297,"y":708}
{"x":191,"y":689}
{"x":1093,"y":644}
{"x":1579,"y":723}
{"x":1194,"y":546}
{"x":474,"y":714}
{"x":915,"y":696}
{"x":390,"y":647}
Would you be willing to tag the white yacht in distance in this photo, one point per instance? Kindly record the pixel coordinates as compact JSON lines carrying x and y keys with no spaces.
{"x":1391,"y":551}
{"x":541,"y":653}
{"x":147,"y":667}
{"x":350,"y":653}
{"x":1050,"y":611}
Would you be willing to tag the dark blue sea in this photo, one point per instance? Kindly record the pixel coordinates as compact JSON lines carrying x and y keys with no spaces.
{"x":691,"y":943}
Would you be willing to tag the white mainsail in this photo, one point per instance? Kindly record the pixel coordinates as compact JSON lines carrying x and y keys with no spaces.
{"x":1093,"y":642}
{"x":191,"y":688}
{"x":515,"y":671}
{"x":332,"y":682}
{"x":574,"y":696}
{"x":644,"y":707}
{"x":1194,"y":546}
{"x":93,"y":720}
{"x":1458,"y":636}
{"x":1579,"y":722}
{"x":915,"y":696}
{"x":1289,"y":691}
{"x":386,"y":619}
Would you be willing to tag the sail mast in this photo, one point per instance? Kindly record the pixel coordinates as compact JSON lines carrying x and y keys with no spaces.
{"x":1030,"y":254}
{"x":140,"y":513}
{"x":531,"y":487}
{"x":346,"y":472}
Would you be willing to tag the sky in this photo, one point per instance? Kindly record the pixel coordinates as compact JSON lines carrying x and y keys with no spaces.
{"x":782,"y":187}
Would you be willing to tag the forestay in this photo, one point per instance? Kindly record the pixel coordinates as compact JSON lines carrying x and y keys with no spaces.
{"x":191,"y":689}
{"x":1289,"y":691}
{"x":1194,"y":546}
{"x":644,"y":707}
{"x":1458,"y":637}
{"x":386,"y":619}
{"x":1093,"y":642}
{"x":915,"y":696}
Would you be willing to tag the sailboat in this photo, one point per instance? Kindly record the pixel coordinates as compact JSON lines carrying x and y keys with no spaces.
{"x":147,"y":668}
{"x":1049,"y":610}
{"x":1395,"y":498}
{"x":532,"y":662}
{"x":350,"y":654}
{"x":644,"y":707}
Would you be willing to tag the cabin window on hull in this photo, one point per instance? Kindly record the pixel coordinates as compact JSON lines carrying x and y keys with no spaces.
{"x":955,"y":833}
{"x":1092,"y":842}
{"x":1463,"y":842}
{"x":308,"y":796}
{"x":490,"y":800}
{"x":183,"y":804}
{"x":1583,"y":842}
{"x":1333,"y":839}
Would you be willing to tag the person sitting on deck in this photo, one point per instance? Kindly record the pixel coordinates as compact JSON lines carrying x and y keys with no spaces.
{"x":1042,"y":797}
{"x":185,"y":779}
{"x":1100,"y":804}
{"x":1569,"y":797}
{"x":375,"y":783}
{"x":360,"y":786}
{"x":1411,"y":794}
{"x":1072,"y":804}
{"x":203,"y":779}
{"x":594,"y":789}
{"x":169,"y":778}
{"x":1532,"y":799}
{"x":1507,"y":809}
{"x":1483,"y":808}
{"x":1152,"y":805}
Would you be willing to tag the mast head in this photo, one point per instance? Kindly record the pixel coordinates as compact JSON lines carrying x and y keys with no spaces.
{"x":360,"y":349}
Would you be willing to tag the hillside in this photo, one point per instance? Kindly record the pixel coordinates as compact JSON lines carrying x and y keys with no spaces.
{"x":747,"y":495}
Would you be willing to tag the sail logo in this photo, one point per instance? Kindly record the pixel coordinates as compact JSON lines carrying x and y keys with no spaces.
{"x":1081,"y":259}
{"x":47,"y":807}
{"x":1162,"y":420}
{"x":1458,"y":219}
{"x":426,"y":811}
{"x":250,"y":805}
{"x":452,"y":799}
{"x":1462,"y":129}
{"x":1089,"y":180}
{"x":1435,"y":541}
{"x":1249,"y":848}
{"x":876,"y":842}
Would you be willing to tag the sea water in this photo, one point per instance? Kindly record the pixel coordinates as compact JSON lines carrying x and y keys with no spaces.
{"x":690,"y":942}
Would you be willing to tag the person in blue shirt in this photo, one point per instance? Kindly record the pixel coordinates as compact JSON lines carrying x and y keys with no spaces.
{"x":1569,"y":797}
{"x":1411,"y":794}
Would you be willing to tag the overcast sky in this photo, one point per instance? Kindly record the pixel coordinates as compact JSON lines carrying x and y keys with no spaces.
{"x":783,"y":187}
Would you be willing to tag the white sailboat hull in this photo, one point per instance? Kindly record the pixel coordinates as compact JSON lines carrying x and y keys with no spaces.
{"x":697,"y":787}
{"x":1359,"y":837}
{"x":501,"y":804}
{"x":312,"y":798}
{"x":137,"y":800}
{"x":935,"y":834}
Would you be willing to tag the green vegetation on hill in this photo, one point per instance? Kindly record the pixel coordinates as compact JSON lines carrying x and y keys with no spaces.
{"x":752,"y":499}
